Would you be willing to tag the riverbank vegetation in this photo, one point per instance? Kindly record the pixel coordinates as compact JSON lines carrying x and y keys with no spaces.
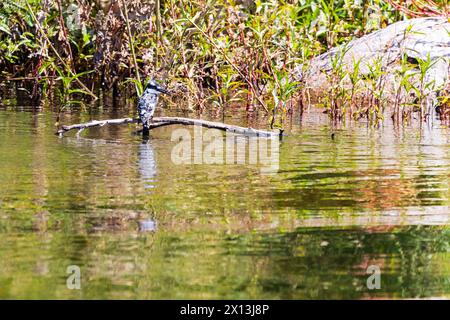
{"x":210,"y":53}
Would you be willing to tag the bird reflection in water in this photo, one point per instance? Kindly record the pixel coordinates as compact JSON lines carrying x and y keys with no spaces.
{"x":147,"y":163}
{"x":147,"y":171}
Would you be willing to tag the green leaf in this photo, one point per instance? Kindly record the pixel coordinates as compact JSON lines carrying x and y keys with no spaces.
{"x":4,"y":28}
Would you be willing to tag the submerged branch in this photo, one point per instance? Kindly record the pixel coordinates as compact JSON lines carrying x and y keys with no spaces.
{"x":165,"y":121}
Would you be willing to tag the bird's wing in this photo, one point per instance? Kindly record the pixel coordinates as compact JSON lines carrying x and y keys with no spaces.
{"x":143,"y":108}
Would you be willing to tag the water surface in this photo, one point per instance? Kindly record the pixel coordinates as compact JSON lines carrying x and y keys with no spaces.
{"x":140,"y":226}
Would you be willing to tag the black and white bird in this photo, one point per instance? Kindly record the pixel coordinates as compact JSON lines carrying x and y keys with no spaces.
{"x":148,"y":102}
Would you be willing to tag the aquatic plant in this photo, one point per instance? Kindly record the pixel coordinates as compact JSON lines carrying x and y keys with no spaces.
{"x":375,"y":82}
{"x":336,"y":100}
{"x":212,"y":53}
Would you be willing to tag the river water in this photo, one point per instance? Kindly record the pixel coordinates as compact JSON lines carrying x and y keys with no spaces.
{"x":139,"y":225}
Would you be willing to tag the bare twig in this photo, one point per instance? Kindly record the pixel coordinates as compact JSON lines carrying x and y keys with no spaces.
{"x":39,"y":27}
{"x":63,"y":28}
{"x":165,"y":121}
{"x":95,"y":123}
{"x":130,"y":36}
{"x":232,"y":64}
{"x":421,"y":8}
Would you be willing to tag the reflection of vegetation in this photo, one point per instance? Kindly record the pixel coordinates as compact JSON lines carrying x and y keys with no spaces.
{"x":306,"y":263}
{"x":79,"y":201}
{"x":317,"y":175}
{"x":326,"y":263}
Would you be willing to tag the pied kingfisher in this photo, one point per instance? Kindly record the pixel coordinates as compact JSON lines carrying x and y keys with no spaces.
{"x":147,"y":103}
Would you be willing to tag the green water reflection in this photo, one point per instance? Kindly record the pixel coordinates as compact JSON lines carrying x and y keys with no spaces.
{"x":140,"y":226}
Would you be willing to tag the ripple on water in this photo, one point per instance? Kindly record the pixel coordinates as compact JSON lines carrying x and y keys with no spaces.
{"x":140,"y":226}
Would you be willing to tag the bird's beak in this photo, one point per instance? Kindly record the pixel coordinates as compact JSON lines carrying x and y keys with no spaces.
{"x":163,"y":90}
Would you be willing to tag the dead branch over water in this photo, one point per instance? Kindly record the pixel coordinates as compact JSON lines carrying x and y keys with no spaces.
{"x":165,"y":121}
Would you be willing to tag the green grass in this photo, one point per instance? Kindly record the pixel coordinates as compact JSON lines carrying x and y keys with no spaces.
{"x":212,"y":52}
